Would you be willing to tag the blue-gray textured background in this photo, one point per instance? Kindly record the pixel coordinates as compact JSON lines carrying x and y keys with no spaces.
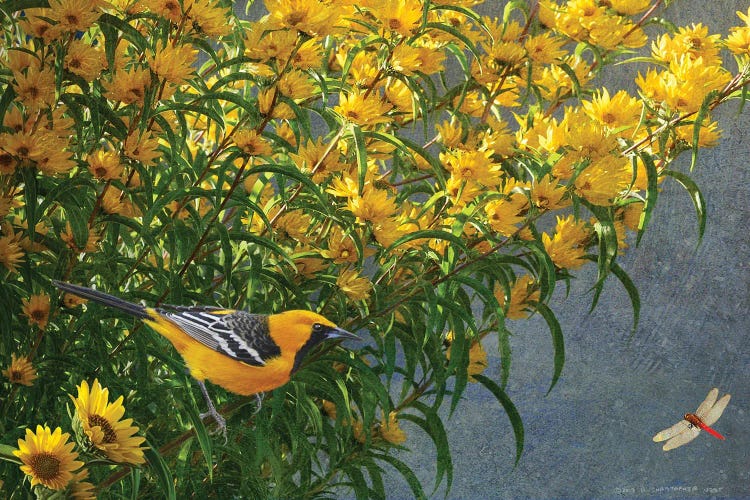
{"x":591,"y":436}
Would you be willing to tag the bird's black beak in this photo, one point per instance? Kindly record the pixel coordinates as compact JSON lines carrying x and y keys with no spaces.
{"x":340,"y":333}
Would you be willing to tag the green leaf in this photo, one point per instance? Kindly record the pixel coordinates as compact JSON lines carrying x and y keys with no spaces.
{"x":427,"y":234}
{"x":204,"y":440}
{"x":161,"y":471}
{"x":510,"y":410}
{"x":698,"y":123}
{"x":405,"y":471}
{"x":635,"y":299}
{"x":695,"y":195}
{"x":558,"y":343}
{"x":652,"y":192}
{"x":361,"y":154}
{"x":433,"y":427}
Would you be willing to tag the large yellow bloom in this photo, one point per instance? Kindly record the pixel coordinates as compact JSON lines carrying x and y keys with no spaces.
{"x":48,"y":458}
{"x":100,"y":421}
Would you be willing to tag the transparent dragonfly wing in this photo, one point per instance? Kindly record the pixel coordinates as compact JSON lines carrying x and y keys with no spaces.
{"x":708,"y":403}
{"x":676,"y":429}
{"x":714,"y":413}
{"x":682,"y":438}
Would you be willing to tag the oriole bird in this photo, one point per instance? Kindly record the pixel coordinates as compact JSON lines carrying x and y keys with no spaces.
{"x":242,"y":352}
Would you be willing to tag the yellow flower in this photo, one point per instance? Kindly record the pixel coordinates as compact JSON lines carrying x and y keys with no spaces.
{"x":311,"y":17}
{"x":567,"y":247}
{"x":36,"y":309}
{"x":604,"y":180}
{"x":100,"y":421}
{"x":693,"y":42}
{"x":168,"y":9}
{"x":391,"y":431}
{"x":20,"y":371}
{"x":373,"y":205}
{"x":35,"y":88}
{"x":353,"y":285}
{"x":10,"y":253}
{"x":173,"y":63}
{"x":365,"y":110}
{"x":128,"y":86}
{"x":548,"y":194}
{"x":503,"y":214}
{"x":91,"y":244}
{"x":48,"y":458}
{"x":708,"y":135}
{"x":341,"y":248}
{"x":84,"y":60}
{"x":296,"y":84}
{"x":545,"y":48}
{"x":401,"y":16}
{"x":294,"y":225}
{"x":115,"y":202}
{"x":473,"y":165}
{"x":523,"y":292}
{"x":738,"y":41}
{"x":208,"y":18}
{"x":621,"y":110}
{"x":461,"y":191}
{"x":630,"y":7}
{"x":73,"y":15}
{"x":251,"y":143}
{"x":104,"y":165}
{"x":79,"y":488}
{"x":318,"y":158}
{"x":450,"y":133}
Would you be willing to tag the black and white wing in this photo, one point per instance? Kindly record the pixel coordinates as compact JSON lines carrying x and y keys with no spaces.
{"x":238,"y":334}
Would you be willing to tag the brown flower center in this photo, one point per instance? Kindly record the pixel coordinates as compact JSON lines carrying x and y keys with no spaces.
{"x":16,"y":375}
{"x":45,"y":466}
{"x":110,"y":436}
{"x":294,"y":18}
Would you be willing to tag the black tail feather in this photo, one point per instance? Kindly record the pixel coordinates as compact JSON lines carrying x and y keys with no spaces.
{"x":103,"y":298}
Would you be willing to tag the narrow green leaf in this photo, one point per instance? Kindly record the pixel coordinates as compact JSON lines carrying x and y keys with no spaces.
{"x":510,"y":410}
{"x":405,"y":471}
{"x":161,"y":471}
{"x":428,"y":234}
{"x":652,"y":192}
{"x":436,"y":430}
{"x":695,"y":195}
{"x":635,"y":299}
{"x":204,"y":439}
{"x":698,"y":123}
{"x":558,"y":343}
{"x":361,"y":154}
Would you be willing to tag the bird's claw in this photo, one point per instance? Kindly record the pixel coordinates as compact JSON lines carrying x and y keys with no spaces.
{"x":221,"y":422}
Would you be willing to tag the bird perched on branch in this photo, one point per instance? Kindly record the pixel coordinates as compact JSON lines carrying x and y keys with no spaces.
{"x":242,"y":352}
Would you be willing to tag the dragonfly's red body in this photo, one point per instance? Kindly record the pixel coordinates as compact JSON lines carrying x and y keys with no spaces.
{"x":696,"y":420}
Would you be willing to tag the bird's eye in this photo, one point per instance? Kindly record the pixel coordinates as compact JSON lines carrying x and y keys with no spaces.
{"x":317,"y":327}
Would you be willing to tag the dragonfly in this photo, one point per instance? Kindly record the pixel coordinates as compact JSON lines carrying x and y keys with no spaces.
{"x":691,"y":425}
